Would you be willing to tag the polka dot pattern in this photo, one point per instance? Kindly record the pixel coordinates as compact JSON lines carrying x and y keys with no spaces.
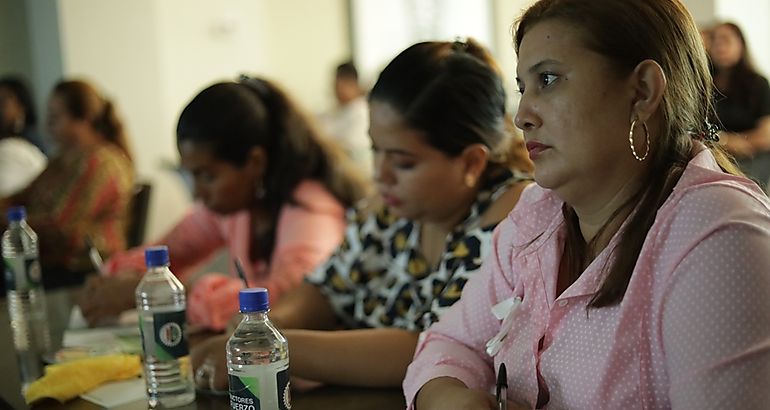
{"x":692,"y":332}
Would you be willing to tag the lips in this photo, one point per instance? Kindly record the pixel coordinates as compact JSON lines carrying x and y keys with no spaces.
{"x":535,"y":149}
{"x":391,"y":200}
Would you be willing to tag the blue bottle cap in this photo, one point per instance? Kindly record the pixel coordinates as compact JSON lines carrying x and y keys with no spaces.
{"x":253,"y":300}
{"x":156,"y":256}
{"x":16,"y":213}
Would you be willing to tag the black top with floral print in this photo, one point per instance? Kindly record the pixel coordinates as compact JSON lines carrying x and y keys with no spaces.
{"x":378,"y":276}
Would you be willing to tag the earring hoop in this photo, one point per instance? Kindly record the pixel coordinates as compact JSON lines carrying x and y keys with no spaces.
{"x":631,"y":141}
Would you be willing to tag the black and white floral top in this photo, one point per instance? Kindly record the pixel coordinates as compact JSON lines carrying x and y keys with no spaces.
{"x":378,"y":276}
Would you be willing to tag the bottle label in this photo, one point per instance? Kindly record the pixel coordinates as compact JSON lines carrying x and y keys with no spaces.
{"x":260,"y":387}
{"x":22,"y":273}
{"x":168,"y":340}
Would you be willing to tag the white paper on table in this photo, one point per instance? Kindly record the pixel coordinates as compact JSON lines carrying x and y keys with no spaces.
{"x":125,"y":394}
{"x":79,"y":343}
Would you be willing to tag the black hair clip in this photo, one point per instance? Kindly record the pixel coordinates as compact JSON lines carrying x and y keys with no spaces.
{"x":255,"y":84}
{"x":710,"y":132}
{"x":460,"y":45}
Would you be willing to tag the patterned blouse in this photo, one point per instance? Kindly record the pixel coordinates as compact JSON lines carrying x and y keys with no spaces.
{"x":379,"y":278}
{"x":81,"y":193}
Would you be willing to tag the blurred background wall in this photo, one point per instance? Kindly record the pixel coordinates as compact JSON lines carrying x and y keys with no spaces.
{"x":152,"y":56}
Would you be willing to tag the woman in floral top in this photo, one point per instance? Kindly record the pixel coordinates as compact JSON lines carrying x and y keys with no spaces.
{"x":442,"y":168}
{"x":85,"y":190}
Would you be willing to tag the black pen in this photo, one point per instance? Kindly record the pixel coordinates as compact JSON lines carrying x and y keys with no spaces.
{"x":502,"y":388}
{"x":241,"y":273}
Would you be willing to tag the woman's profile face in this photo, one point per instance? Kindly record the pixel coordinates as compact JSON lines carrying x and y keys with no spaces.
{"x":61,"y":125}
{"x":11,"y":111}
{"x":221,"y":186}
{"x":414,"y":179}
{"x":575,"y":109}
{"x":726,"y":47}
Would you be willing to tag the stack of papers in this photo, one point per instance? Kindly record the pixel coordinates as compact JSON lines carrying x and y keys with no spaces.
{"x":80,"y":343}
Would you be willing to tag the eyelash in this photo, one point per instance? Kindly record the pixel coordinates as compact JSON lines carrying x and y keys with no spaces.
{"x":404,"y":167}
{"x":543,"y":79}
{"x":544,"y":76}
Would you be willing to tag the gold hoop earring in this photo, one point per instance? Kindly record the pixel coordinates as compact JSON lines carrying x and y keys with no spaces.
{"x":631,"y":141}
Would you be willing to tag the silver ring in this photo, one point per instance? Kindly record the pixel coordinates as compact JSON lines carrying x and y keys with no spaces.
{"x":204,"y":376}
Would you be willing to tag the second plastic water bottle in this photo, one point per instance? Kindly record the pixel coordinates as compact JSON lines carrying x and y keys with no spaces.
{"x":258,"y":358}
{"x":160,"y":300}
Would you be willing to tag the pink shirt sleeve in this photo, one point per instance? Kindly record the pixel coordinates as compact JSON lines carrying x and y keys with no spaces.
{"x":306,"y":235}
{"x":190,"y":242}
{"x":455,"y":346}
{"x":306,"y":238}
{"x":715,"y":319}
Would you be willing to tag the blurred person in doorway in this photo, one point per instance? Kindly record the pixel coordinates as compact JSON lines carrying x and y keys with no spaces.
{"x":347,"y":123}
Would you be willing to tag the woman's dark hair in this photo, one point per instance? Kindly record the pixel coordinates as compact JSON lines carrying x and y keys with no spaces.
{"x":232,"y":118}
{"x":743,"y":75}
{"x":452,"y":91}
{"x":628,"y":32}
{"x":21,"y":90}
{"x":83,"y":102}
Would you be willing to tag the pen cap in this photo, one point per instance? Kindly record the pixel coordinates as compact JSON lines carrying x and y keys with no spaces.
{"x":16,"y":213}
{"x":253,"y":300}
{"x":156,"y":256}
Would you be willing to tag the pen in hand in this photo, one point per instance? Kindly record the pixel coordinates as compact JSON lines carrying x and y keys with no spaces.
{"x":502,"y":388}
{"x":240,"y":271}
{"x":94,"y":256}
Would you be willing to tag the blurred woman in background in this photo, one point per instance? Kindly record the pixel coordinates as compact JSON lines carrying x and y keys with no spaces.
{"x":21,"y":159}
{"x":272,"y":192}
{"x":743,"y":108}
{"x":85,"y":190}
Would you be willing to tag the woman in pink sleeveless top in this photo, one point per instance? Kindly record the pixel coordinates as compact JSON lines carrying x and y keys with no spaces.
{"x":271,"y":192}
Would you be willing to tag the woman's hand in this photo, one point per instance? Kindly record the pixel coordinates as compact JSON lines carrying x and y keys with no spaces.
{"x":210,"y":363}
{"x":450,"y":393}
{"x":104,"y":299}
{"x":737,"y":144}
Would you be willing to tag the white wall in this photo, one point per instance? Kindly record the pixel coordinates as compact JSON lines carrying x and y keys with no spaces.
{"x":152,"y":57}
{"x":45,"y":50}
{"x":13,"y":32}
{"x":377,"y":39}
{"x":702,"y":10}
{"x":116,"y":45}
{"x":506,"y":13}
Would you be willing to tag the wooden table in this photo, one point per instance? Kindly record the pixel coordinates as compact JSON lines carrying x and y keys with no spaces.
{"x":325,"y":398}
{"x":328,"y":397}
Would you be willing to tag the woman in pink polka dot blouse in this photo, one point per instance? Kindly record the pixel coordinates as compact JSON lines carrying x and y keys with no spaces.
{"x":636,"y":274}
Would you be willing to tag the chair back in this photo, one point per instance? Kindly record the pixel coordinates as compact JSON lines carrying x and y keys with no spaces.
{"x":138,"y":210}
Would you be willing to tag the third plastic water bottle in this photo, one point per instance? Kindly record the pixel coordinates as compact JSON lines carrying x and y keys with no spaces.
{"x":258,"y":358}
{"x":26,"y":299}
{"x":160,"y":300}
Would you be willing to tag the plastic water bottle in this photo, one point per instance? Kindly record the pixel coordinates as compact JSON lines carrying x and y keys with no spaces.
{"x":160,"y":301}
{"x":26,"y":298}
{"x":257,"y":358}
